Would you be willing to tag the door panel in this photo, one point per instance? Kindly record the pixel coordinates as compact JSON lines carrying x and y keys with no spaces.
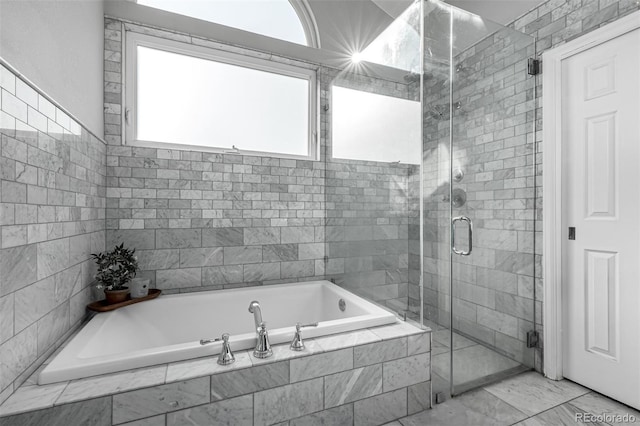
{"x":601,"y":199}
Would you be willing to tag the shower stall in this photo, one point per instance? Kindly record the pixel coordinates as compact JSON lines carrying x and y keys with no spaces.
{"x":431,"y":192}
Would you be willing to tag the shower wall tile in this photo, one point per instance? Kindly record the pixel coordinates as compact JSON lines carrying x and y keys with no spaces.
{"x":52,"y":216}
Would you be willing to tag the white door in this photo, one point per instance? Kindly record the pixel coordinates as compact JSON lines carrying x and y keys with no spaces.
{"x":601,"y":200}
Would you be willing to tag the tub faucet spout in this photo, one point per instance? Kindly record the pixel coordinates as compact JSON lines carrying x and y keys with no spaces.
{"x":254,"y":308}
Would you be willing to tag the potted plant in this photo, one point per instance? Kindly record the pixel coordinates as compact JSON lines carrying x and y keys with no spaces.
{"x":115,"y":269}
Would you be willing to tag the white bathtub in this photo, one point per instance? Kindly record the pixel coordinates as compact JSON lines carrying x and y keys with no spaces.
{"x":169,"y":328}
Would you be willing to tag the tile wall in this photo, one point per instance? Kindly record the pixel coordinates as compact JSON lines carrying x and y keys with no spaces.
{"x":554,"y":23}
{"x":52,"y":193}
{"x":210,"y":221}
{"x":367,"y":233}
{"x":204,"y":220}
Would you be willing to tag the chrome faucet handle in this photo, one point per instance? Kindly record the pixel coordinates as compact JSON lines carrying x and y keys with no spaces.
{"x":226,"y":356}
{"x":297,"y":344}
{"x":263,"y":347}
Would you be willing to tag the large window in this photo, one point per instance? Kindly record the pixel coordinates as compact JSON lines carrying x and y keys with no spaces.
{"x":188,"y":97}
{"x":372,"y":127}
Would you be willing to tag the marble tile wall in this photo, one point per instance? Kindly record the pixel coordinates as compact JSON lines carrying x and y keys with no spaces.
{"x":367,"y":230}
{"x":497,"y":134}
{"x":210,"y":221}
{"x":52,"y":210}
{"x":554,"y":23}
{"x":364,"y":377}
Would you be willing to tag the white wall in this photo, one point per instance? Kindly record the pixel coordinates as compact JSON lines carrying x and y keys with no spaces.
{"x":58,"y":45}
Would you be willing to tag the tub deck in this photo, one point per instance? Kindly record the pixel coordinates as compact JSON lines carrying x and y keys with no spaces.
{"x":377,"y":375}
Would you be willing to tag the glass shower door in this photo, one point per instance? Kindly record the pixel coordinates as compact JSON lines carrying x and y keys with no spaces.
{"x":491,"y":200}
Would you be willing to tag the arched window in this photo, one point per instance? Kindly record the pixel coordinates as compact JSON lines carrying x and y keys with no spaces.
{"x":289,"y":20}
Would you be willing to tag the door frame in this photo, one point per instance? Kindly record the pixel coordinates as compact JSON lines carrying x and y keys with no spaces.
{"x":552,"y":231}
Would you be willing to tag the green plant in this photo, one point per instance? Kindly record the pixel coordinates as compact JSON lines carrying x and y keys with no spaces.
{"x":115,"y":267}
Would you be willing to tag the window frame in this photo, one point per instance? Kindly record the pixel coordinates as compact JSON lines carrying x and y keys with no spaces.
{"x":129,"y":119}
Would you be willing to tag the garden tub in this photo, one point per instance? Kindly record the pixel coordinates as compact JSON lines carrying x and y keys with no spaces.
{"x":170,"y":328}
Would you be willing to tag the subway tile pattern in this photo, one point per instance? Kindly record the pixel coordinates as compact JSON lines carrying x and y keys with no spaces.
{"x":302,"y":388}
{"x":210,"y":221}
{"x":205,"y":220}
{"x":497,"y":134}
{"x":52,"y":216}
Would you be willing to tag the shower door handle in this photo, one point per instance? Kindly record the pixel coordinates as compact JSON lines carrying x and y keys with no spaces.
{"x":453,"y":235}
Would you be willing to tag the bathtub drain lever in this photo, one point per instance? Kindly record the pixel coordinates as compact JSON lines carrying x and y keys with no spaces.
{"x":297,"y":344}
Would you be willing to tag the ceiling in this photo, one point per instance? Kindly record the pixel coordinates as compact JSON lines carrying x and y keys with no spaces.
{"x":350,"y":25}
{"x":500,"y":11}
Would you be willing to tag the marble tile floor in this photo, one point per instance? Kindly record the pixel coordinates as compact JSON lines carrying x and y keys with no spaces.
{"x":528,"y":399}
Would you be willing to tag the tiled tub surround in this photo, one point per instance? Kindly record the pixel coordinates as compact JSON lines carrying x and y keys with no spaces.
{"x":52,"y":194}
{"x":370,"y":377}
{"x":143,"y":334}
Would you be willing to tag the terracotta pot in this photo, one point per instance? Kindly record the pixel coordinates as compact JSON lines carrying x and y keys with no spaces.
{"x":116,"y":296}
